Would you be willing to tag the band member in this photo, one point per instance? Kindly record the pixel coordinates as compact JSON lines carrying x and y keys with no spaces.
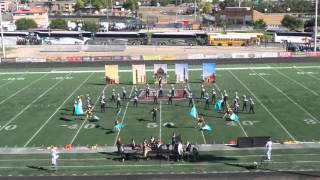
{"x":251,"y":108}
{"x":154,"y":113}
{"x":244,"y":105}
{"x":213,"y":96}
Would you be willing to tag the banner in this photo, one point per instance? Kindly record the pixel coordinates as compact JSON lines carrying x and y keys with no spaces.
{"x":208,"y":72}
{"x":139,"y":75}
{"x":182,"y":73}
{"x":160,"y":73}
{"x":112,"y":74}
{"x":151,"y":58}
{"x":284,"y":54}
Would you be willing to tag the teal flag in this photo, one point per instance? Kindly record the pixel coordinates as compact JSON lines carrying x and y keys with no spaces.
{"x":95,"y":118}
{"x":218,"y":106}
{"x":118,"y":112}
{"x":193,"y":112}
{"x":207,"y":128}
{"x":234,"y":117}
{"x":119,"y":126}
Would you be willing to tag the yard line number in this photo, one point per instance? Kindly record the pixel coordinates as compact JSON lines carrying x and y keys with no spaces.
{"x":155,"y":125}
{"x":244,"y":123}
{"x":311,"y":121}
{"x":10,"y":127}
{"x":14,"y":79}
{"x":306,"y":73}
{"x":77,"y":126}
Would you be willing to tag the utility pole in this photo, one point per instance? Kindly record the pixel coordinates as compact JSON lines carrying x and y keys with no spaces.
{"x":2,"y":39}
{"x":316,"y":27}
{"x":195,"y":10}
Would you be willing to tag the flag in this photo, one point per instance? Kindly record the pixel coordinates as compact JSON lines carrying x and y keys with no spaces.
{"x":193,"y":112}
{"x":118,"y":112}
{"x":119,"y":126}
{"x":218,"y":106}
{"x":207,"y":128}
{"x":78,"y":109}
{"x":95,"y":118}
{"x":234,"y":117}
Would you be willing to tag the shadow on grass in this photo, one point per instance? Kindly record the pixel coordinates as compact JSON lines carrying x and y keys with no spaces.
{"x":39,"y":168}
{"x":66,"y":109}
{"x":207,"y":157}
{"x":141,"y":120}
{"x":65,"y":119}
{"x":97,"y":84}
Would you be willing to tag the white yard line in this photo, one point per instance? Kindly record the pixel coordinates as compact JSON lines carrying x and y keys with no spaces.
{"x":27,"y":107}
{"x":84,"y":122}
{"x":290,"y":99}
{"x":124,"y":115}
{"x":151,"y":70}
{"x":310,"y":90}
{"x":240,"y":125}
{"x":160,"y":125}
{"x":269,"y":112}
{"x":204,"y":138}
{"x":25,"y":87}
{"x":6,"y":83}
{"x":45,"y":123}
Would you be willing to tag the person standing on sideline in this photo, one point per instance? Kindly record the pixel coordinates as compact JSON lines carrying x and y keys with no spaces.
{"x":251,"y":108}
{"x":155,"y":97}
{"x":54,"y":156}
{"x":244,"y":105}
{"x":170,"y":98}
{"x":268,"y":149}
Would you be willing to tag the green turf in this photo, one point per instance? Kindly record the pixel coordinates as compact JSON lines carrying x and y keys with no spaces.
{"x":286,"y":108}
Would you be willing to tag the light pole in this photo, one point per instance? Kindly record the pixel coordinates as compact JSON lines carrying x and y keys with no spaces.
{"x":2,"y":40}
{"x":316,"y":27}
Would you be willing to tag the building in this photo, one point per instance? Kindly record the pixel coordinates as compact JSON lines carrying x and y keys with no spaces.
{"x":245,"y":15}
{"x":6,"y":5}
{"x":64,"y":7}
{"x":38,"y":14}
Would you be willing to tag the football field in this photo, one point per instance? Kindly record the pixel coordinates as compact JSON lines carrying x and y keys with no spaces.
{"x":36,"y":111}
{"x":36,"y":106}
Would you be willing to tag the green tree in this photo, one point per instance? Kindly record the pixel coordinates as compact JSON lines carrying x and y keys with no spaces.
{"x":310,"y":22}
{"x":291,"y":22}
{"x":59,"y":24}
{"x":25,"y":24}
{"x":153,"y":2}
{"x":131,"y":4}
{"x":91,"y":26}
{"x":228,"y":3}
{"x":259,"y":24}
{"x":79,"y":5}
{"x":206,"y":8}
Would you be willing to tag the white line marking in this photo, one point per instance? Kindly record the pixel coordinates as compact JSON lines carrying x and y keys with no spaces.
{"x":45,"y":123}
{"x":25,"y":87}
{"x":29,"y":105}
{"x":160,"y":128}
{"x":313,"y":92}
{"x":204,"y":139}
{"x":151,"y":70}
{"x":295,"y":103}
{"x":160,"y":165}
{"x":240,"y":125}
{"x":6,"y":83}
{"x":86,"y":120}
{"x":269,"y":112}
{"x":124,"y":114}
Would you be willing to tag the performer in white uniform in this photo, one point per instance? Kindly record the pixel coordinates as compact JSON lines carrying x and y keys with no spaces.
{"x":54,"y":156}
{"x":269,"y":148}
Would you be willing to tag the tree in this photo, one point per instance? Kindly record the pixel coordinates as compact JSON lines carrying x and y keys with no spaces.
{"x":206,"y":8}
{"x":291,"y":22}
{"x":79,"y":5}
{"x":25,"y":24}
{"x":91,"y":26}
{"x":131,"y":4}
{"x":259,"y":24}
{"x":59,"y":24}
{"x":153,"y":2}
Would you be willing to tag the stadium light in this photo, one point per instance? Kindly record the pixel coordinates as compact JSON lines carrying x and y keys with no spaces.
{"x":316,"y":27}
{"x":2,"y":40}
